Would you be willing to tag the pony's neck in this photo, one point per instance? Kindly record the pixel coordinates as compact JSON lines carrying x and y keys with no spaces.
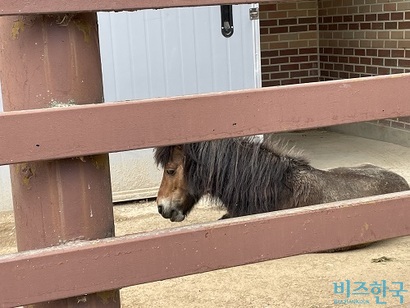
{"x":248,"y":178}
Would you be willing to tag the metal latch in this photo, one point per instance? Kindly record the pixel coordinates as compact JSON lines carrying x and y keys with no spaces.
{"x":254,"y":13}
{"x":226,"y":20}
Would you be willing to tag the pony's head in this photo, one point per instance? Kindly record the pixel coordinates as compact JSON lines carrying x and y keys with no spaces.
{"x":174,"y":201}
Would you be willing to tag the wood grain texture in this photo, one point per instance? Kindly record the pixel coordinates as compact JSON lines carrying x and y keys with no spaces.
{"x":75,"y":269}
{"x":92,"y":129}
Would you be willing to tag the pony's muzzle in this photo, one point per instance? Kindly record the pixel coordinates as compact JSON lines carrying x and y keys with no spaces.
{"x":172,"y":214}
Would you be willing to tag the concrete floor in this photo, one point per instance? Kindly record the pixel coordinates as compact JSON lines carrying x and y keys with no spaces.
{"x":328,"y":150}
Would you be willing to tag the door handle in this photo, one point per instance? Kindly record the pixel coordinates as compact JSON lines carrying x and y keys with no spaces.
{"x":226,"y":20}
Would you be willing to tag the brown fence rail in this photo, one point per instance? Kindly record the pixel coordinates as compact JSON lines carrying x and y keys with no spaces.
{"x":91,"y":129}
{"x":11,"y":7}
{"x":83,"y":268}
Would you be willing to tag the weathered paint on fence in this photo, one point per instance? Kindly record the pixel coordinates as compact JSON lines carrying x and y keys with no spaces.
{"x":93,"y":129}
{"x":10,"y":7}
{"x":57,"y":201}
{"x":75,"y":269}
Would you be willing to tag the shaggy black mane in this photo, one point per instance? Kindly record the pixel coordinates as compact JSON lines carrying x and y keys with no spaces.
{"x":247,"y":176}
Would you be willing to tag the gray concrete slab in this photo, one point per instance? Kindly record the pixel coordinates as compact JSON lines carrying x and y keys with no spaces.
{"x":327,"y":149}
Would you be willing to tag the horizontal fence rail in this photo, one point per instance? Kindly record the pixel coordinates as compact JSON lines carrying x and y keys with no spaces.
{"x":75,"y":269}
{"x":32,"y":135}
{"x":12,"y":7}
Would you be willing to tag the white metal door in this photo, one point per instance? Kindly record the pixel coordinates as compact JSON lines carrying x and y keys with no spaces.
{"x":157,"y":53}
{"x":168,"y":52}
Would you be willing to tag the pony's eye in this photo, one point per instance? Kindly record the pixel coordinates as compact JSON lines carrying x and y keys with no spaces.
{"x":170,"y":171}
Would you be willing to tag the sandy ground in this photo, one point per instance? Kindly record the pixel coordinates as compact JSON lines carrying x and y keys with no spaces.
{"x":300,"y":281}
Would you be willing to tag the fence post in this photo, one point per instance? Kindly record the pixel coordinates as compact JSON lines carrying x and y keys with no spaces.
{"x":50,"y":61}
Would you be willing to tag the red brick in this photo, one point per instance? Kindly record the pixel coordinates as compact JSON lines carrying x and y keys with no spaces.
{"x":354,"y":60}
{"x":307,"y":20}
{"x":289,"y":67}
{"x":309,"y":79}
{"x":365,"y":25}
{"x":360,"y":68}
{"x":348,"y":67}
{"x":383,"y":71}
{"x":383,"y":52}
{"x":389,"y":7}
{"x":338,"y":67}
{"x":279,"y":60}
{"x":359,"y":18}
{"x":270,"y":68}
{"x":366,"y":61}
{"x":390,"y":62}
{"x":289,"y":81}
{"x":404,"y":25}
{"x":371,"y":70}
{"x":270,"y":83}
{"x":349,"y":18}
{"x":348,"y":51}
{"x":397,"y":16}
{"x":342,"y":27}
{"x":397,"y":70}
{"x":288,"y":52}
{"x":279,"y":30}
{"x":360,"y":52}
{"x":392,"y":25}
{"x":397,"y":53}
{"x":377,"y":61}
{"x":377,"y":25}
{"x":299,"y":74}
{"x":371,"y":17}
{"x":307,"y":50}
{"x":269,"y":53}
{"x":354,"y":26}
{"x":280,"y":75}
{"x":268,"y":7}
{"x":299,"y":59}
{"x":383,"y":16}
{"x":288,"y":21}
{"x":300,"y":28}
{"x":371,"y":52}
{"x":404,"y":63}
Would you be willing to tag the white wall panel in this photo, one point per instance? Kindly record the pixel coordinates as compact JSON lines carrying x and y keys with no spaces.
{"x":157,"y":53}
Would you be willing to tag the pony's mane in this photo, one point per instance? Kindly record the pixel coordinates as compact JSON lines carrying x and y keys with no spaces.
{"x":247,"y":176}
{"x":162,"y":155}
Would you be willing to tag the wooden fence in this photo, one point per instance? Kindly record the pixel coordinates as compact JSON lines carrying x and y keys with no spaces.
{"x":41,"y":143}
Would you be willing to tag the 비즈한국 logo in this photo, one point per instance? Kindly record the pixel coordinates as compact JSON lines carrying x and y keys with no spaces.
{"x":364,"y":293}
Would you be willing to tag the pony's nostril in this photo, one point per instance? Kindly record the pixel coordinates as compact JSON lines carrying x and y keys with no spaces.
{"x":160,"y":209}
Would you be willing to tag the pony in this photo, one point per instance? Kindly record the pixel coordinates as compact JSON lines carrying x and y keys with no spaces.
{"x":250,"y":177}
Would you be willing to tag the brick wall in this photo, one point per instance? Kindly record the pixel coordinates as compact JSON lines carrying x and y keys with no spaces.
{"x":359,"y":38}
{"x":289,"y":42}
{"x":311,"y":40}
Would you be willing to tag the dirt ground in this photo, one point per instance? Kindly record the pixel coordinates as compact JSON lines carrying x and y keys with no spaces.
{"x":299,"y":281}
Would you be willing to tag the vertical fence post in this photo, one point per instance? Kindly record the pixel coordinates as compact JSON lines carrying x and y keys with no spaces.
{"x":50,"y":61}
